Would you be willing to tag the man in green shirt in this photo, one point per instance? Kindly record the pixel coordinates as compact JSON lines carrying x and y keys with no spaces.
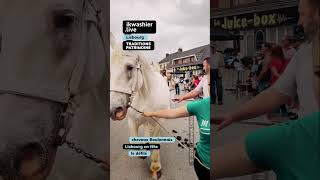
{"x":200,"y":109}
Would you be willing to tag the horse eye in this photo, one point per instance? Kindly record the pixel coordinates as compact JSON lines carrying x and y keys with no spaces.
{"x":129,"y":67}
{"x":63,"y":21}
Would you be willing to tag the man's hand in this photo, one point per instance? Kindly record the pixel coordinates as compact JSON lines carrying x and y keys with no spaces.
{"x":147,"y":114}
{"x":222,"y":121}
{"x":178,"y":99}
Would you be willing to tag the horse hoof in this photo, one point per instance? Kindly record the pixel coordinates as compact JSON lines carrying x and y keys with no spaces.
{"x":142,"y":157}
{"x":156,"y":175}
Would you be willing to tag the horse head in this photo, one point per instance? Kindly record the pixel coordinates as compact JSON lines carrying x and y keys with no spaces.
{"x":39,"y":72}
{"x":127,"y":77}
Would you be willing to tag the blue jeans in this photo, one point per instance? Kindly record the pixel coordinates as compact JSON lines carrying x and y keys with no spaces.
{"x":216,"y":89}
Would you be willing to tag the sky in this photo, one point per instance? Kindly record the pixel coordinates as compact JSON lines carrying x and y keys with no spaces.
{"x":180,"y":23}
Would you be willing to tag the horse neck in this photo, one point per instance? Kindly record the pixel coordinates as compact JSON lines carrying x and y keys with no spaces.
{"x":147,"y":86}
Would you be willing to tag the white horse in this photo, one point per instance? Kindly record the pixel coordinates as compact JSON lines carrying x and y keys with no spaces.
{"x":47,"y":52}
{"x":133,"y":81}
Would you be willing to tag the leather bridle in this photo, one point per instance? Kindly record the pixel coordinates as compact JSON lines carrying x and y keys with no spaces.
{"x":131,"y":92}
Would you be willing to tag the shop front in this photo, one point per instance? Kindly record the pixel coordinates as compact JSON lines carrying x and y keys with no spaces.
{"x":189,"y":70}
{"x":258,"y":26}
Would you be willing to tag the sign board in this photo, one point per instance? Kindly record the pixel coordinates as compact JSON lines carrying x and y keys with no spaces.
{"x":188,"y":68}
{"x":258,"y":20}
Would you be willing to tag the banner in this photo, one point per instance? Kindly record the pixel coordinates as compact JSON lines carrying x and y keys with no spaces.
{"x":188,"y":68}
{"x":258,"y":20}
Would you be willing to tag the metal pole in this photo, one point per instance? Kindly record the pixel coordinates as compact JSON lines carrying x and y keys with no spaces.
{"x":191,"y":140}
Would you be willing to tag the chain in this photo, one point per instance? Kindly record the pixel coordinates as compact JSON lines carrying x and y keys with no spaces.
{"x":103,"y":164}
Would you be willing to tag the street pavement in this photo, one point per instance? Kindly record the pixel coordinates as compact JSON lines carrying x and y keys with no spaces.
{"x":174,"y":160}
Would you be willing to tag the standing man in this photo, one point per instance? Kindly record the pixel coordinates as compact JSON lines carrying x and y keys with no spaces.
{"x":203,"y":86}
{"x":217,"y":61}
{"x":177,"y":85}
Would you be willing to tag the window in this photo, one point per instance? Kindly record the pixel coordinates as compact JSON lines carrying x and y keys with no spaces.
{"x":192,"y":59}
{"x":186,"y":60}
{"x":260,"y":39}
{"x":180,"y":61}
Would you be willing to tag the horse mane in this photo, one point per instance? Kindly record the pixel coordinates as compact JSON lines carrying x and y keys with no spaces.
{"x":147,"y":71}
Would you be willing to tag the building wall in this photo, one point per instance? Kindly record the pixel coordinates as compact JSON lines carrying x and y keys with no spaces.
{"x":225,"y":3}
{"x":272,"y":34}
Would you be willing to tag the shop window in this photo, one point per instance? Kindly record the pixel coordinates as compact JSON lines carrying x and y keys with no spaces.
{"x":260,"y":39}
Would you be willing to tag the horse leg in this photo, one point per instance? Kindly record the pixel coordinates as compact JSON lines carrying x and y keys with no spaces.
{"x":155,"y":166}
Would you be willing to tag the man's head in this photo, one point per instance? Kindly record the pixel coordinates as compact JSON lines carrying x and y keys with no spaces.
{"x":309,"y":17}
{"x":206,"y":65}
{"x":213,"y":47}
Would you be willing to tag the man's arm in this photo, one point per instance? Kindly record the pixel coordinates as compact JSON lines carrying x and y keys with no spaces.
{"x":265,"y":102}
{"x":191,"y":94}
{"x":280,"y":93}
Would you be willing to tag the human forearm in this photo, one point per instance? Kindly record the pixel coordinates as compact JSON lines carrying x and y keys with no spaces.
{"x":231,"y":161}
{"x":190,"y":95}
{"x":263,"y":103}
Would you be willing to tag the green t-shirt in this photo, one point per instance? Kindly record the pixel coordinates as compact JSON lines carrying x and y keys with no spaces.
{"x":291,"y":150}
{"x":201,"y":109}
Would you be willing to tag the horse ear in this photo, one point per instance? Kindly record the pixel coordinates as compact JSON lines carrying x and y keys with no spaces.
{"x":112,"y":41}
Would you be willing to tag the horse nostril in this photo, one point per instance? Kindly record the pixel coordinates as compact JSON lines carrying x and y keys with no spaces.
{"x":32,"y":158}
{"x":119,"y":109}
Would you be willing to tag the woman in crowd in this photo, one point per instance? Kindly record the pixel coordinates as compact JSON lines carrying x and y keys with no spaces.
{"x":264,"y":73}
{"x":277,"y":65}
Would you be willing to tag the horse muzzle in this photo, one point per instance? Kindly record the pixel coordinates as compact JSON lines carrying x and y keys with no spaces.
{"x":119,"y":113}
{"x":24,"y":161}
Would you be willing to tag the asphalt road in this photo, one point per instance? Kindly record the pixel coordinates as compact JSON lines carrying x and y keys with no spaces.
{"x":174,"y":160}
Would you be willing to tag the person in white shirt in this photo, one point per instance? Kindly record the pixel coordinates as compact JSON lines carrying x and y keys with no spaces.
{"x":217,"y":61}
{"x":203,"y":86}
{"x":177,"y":85}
